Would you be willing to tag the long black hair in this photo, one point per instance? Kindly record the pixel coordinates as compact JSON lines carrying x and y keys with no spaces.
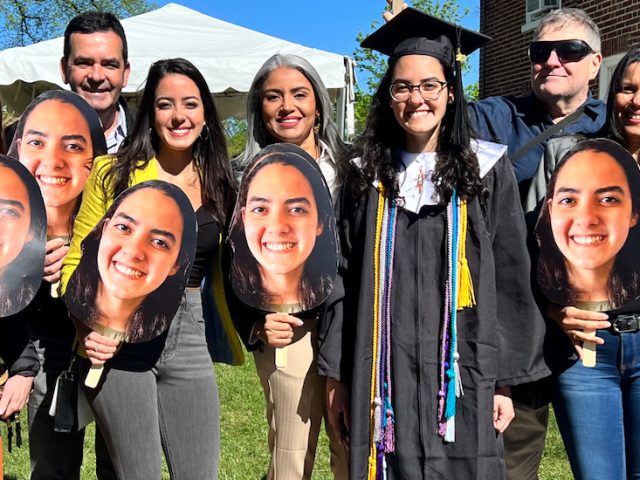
{"x":244,"y":271}
{"x":26,"y":269}
{"x":624,"y":281}
{"x":456,"y":164}
{"x":209,"y":150}
{"x":613,"y":128}
{"x":83,"y":285}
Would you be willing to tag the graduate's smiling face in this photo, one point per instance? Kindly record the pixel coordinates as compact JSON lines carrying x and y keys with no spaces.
{"x":280,"y":220}
{"x":591,"y":212}
{"x":140,"y":245}
{"x":56,"y":148}
{"x":420,"y":118}
{"x":15,"y":216}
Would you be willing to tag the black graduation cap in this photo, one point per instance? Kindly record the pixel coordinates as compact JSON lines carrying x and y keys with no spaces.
{"x":412,"y":32}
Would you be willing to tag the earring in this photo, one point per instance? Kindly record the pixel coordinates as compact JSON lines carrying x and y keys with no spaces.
{"x":204,"y":134}
{"x":316,"y":125}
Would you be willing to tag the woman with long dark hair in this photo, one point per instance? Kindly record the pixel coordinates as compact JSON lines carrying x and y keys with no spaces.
{"x":162,"y":394}
{"x":432,"y":318}
{"x":288,"y":102}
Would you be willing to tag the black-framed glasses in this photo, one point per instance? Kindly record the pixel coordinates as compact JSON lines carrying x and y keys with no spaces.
{"x":567,"y":50}
{"x":429,"y":90}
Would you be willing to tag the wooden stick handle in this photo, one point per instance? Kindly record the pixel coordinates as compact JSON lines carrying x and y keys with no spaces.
{"x":93,"y":377}
{"x":281,"y":358}
{"x":589,"y":352}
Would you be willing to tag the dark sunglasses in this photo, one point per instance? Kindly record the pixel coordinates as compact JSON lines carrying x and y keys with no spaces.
{"x":567,"y":50}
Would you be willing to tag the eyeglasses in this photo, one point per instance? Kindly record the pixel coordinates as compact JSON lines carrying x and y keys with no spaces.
{"x":567,"y":50}
{"x":429,"y":90}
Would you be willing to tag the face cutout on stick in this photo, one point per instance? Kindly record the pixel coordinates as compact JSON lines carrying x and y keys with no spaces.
{"x":135,"y":263}
{"x":282,"y":239}
{"x":23,"y":231}
{"x":587,"y":225}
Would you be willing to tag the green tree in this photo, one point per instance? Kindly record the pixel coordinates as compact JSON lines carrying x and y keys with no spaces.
{"x":236,"y":132}
{"x":373,"y":65}
{"x":23,"y":22}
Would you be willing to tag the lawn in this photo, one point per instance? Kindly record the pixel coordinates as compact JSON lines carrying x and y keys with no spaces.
{"x":244,"y":432}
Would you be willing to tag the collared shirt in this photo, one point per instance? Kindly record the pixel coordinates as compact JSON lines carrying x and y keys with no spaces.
{"x":514,"y":121}
{"x":117,"y":135}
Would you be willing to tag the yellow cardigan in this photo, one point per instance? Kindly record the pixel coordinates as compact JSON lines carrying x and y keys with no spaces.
{"x":222,"y":339}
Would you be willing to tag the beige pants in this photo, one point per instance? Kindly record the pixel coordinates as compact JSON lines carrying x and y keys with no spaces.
{"x":295,"y":398}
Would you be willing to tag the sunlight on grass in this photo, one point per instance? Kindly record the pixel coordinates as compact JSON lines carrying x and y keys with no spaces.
{"x":244,"y":453}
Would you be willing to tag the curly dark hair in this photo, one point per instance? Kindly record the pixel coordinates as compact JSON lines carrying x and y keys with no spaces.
{"x":29,"y":263}
{"x":624,"y":282}
{"x":209,"y":150}
{"x":456,"y":164}
{"x":152,"y":317}
{"x":244,"y":272}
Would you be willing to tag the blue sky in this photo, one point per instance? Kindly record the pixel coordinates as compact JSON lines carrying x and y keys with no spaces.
{"x":325,"y":24}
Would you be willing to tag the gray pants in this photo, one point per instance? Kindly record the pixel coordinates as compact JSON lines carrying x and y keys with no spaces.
{"x":162,"y":396}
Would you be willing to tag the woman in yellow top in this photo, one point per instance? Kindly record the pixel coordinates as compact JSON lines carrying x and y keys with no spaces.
{"x":162,"y":394}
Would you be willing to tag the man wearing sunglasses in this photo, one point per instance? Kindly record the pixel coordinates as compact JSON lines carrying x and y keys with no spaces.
{"x":565,"y":56}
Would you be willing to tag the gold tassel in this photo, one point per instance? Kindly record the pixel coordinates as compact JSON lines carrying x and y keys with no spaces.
{"x":466,"y":296}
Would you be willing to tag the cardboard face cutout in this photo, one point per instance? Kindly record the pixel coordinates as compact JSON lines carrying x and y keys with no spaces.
{"x":587,"y":229}
{"x":56,"y":139}
{"x":135,"y":263}
{"x":282,"y":240}
{"x":23,"y":230}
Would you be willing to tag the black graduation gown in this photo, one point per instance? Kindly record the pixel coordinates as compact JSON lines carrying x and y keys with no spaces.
{"x":499,"y":340}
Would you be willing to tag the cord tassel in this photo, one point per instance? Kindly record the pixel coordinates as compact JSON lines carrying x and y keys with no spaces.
{"x":456,"y":366}
{"x":466,"y":296}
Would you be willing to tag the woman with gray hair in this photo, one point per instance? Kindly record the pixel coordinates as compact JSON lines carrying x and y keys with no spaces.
{"x":289,"y":103}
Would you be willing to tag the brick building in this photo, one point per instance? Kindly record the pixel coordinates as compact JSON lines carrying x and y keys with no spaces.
{"x":504,"y":65}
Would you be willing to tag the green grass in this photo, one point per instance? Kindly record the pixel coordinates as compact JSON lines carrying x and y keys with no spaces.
{"x":244,"y":436}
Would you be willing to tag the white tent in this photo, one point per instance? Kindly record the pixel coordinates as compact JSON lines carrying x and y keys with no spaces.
{"x":227,"y":55}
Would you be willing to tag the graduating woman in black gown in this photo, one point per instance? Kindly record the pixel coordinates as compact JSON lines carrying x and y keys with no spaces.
{"x":433,"y":317}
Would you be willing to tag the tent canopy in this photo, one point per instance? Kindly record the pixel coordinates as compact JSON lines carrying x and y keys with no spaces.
{"x":227,"y":55}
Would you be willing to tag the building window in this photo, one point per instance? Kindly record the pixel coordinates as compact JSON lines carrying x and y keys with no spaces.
{"x":536,"y":9}
{"x":606,"y":71}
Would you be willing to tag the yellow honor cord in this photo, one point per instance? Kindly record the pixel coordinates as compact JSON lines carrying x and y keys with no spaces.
{"x":466,"y":296}
{"x":376,"y":308}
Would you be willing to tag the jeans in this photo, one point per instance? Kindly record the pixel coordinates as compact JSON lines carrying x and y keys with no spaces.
{"x":162,"y":396}
{"x":598,"y":411}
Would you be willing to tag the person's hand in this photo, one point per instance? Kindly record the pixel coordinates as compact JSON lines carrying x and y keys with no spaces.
{"x":15,"y":395}
{"x":338,"y":409}
{"x":389,"y":14}
{"x":277,"y":330}
{"x":503,"y":411}
{"x":579,"y":325}
{"x":56,"y":251}
{"x":99,"y":348}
